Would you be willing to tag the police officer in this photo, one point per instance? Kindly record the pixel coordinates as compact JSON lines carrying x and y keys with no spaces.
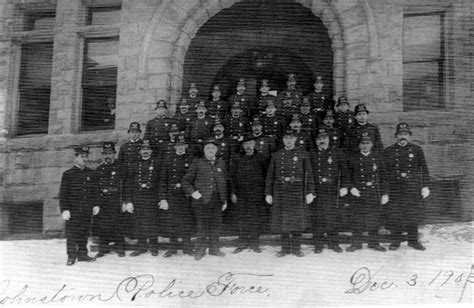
{"x":77,"y":201}
{"x":408,"y":180}
{"x":328,"y":164}
{"x":217,"y":108}
{"x":245,"y":100}
{"x":273,"y":123}
{"x":361,"y":126}
{"x":157,"y":129}
{"x":303,"y":141}
{"x":335,"y":133}
{"x":180,"y":218}
{"x":344,"y":116}
{"x":193,"y":98}
{"x":206,"y":183}
{"x":264,"y":98}
{"x":184,"y":116}
{"x":236,"y":125}
{"x":168,"y":145}
{"x":289,"y":188}
{"x":142,"y":200}
{"x":109,"y":219}
{"x":199,"y":129}
{"x":264,"y":145}
{"x":290,"y":99}
{"x":319,"y":99}
{"x":309,"y":122}
{"x":365,"y":180}
{"x":247,"y":177}
{"x":223,"y":143}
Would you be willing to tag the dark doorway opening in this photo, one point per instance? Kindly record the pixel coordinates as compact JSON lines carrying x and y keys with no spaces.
{"x":22,"y":221}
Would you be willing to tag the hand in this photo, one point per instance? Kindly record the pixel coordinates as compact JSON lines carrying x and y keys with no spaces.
{"x":355,"y":192}
{"x":224,"y":206}
{"x":196,"y":195}
{"x":163,"y":205}
{"x":129,"y":207}
{"x":95,"y":210}
{"x":124,"y":207}
{"x":309,"y":198}
{"x":425,"y":192}
{"x":233,"y":198}
{"x":66,"y":215}
{"x":384,"y":200}
{"x":269,"y":199}
{"x":343,"y":192}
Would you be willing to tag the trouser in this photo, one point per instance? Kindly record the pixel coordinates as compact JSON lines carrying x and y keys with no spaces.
{"x":292,"y":244}
{"x":186,"y":245}
{"x":76,"y":238}
{"x":366,"y":220}
{"x":325,"y":216}
{"x":405,"y":211}
{"x":208,"y":222}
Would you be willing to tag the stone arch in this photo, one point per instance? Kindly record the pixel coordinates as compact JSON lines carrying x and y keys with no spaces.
{"x":175,"y":23}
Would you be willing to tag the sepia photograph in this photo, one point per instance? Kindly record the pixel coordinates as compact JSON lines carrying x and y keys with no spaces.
{"x":236,"y":153}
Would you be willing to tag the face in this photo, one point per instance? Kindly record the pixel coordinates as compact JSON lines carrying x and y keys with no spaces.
{"x":240,"y":89}
{"x":270,"y":110}
{"x":305,"y":109}
{"x":318,"y":86}
{"x":201,"y":111}
{"x":236,"y":112}
{"x":210,"y":150}
{"x":322,"y":141}
{"x":257,"y":129}
{"x":81,"y":160}
{"x":181,"y":149}
{"x":249,"y":147}
{"x":134,"y":134}
{"x":109,"y":157}
{"x":145,"y":152}
{"x":365,"y":146}
{"x":361,"y":117}
{"x":218,"y":130}
{"x":291,"y":84}
{"x":264,"y":89}
{"x":160,"y":111}
{"x":403,"y":137}
{"x":289,"y":141}
{"x":172,"y":134}
{"x":328,"y":121}
{"x":216,"y":94}
{"x":295,"y":125}
{"x":184,"y":109}
{"x":343,"y":107}
{"x":193,"y":92}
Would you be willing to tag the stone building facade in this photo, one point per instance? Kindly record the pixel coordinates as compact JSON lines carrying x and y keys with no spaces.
{"x":377,"y":52}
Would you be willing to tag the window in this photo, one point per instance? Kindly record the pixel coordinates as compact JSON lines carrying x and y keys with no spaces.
{"x":99,"y":83}
{"x":423,"y":61}
{"x":39,"y":20}
{"x":34,"y":88}
{"x":99,"y":70}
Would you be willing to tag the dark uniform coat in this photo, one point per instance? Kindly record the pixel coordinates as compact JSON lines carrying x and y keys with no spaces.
{"x":179,"y":216}
{"x":157,"y":132}
{"x":128,"y":155}
{"x":309,"y":123}
{"x":263,"y":101}
{"x":78,"y":195}
{"x":289,"y":103}
{"x":319,"y":103}
{"x":184,"y":119}
{"x":217,"y":109}
{"x":289,"y":179}
{"x":246,"y":101}
{"x":407,"y":173}
{"x":224,"y":151}
{"x":197,"y":131}
{"x":273,"y":126}
{"x":355,"y":133}
{"x":344,"y":120}
{"x":265,"y":145}
{"x":236,"y":128}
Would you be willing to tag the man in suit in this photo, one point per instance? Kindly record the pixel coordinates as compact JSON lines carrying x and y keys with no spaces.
{"x":77,"y":201}
{"x":206,"y":183}
{"x":289,"y":188}
{"x":408,"y":180}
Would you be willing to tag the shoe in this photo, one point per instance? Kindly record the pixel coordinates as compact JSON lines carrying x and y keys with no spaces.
{"x":121,"y":253}
{"x":378,"y":247}
{"x":199,"y":255}
{"x":70,"y":261}
{"x":138,"y":252}
{"x":336,"y":248}
{"x":100,"y":254}
{"x":256,"y":249}
{"x":188,"y":252}
{"x":169,"y":253}
{"x":85,"y":258}
{"x":217,"y":253}
{"x":383,"y":231}
{"x":154,"y":252}
{"x":298,"y":253}
{"x":238,"y":249}
{"x":318,"y":249}
{"x":353,"y":248}
{"x":417,"y":246}
{"x":394,"y":246}
{"x":282,"y":254}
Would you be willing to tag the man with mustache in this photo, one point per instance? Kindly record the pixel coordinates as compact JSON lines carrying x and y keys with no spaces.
{"x":199,"y":129}
{"x":408,"y":180}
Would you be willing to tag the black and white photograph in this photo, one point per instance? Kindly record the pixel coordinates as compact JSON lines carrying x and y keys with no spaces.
{"x":236,"y":153}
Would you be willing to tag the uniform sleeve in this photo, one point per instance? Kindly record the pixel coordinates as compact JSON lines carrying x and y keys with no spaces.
{"x":425,"y":176}
{"x":346,"y":179}
{"x":162,"y":183}
{"x":128,"y":185}
{"x":270,"y":176}
{"x":384,"y":187}
{"x":64,"y":193}
{"x":232,"y":174}
{"x":308,"y":174}
{"x":343,"y":168}
{"x":189,"y":177}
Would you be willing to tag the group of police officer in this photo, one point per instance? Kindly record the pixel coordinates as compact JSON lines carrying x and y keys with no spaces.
{"x":291,"y":153}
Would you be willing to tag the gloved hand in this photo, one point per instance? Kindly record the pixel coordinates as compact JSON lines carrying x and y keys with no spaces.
{"x":233,"y":198}
{"x":384,"y":200}
{"x":355,"y":192}
{"x":124,"y":207}
{"x":66,"y":215}
{"x":224,"y":206}
{"x":163,"y":204}
{"x":425,"y":192}
{"x":343,"y":192}
{"x":269,"y":199}
{"x":196,"y":195}
{"x":129,"y":207}
{"x":95,"y":210}
{"x":309,"y":198}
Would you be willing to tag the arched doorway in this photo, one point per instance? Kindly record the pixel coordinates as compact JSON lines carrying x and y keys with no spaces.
{"x":259,"y":40}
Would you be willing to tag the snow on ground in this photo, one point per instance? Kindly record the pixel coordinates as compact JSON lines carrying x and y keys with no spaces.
{"x":35,"y":272}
